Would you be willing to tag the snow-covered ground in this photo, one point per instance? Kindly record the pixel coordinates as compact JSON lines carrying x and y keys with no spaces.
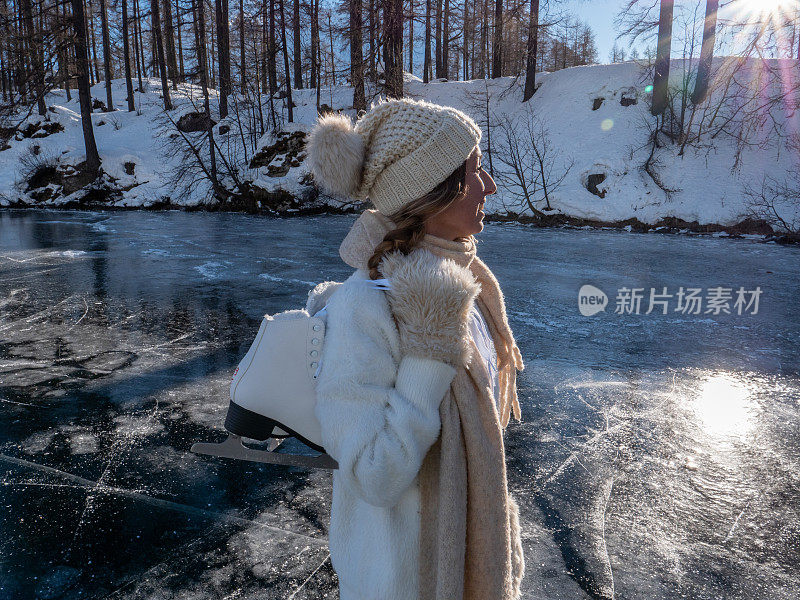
{"x":596,"y":120}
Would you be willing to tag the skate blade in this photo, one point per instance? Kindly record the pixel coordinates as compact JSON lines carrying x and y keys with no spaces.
{"x":234,"y":448}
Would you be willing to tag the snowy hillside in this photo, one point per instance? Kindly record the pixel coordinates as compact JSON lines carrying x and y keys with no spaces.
{"x":594,"y":122}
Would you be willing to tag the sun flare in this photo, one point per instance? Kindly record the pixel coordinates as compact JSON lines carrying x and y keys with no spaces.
{"x":770,"y":7}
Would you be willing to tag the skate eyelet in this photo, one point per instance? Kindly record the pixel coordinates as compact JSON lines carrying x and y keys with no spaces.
{"x":315,"y":341}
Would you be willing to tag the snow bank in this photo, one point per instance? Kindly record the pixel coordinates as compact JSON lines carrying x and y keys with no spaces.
{"x":596,"y":118}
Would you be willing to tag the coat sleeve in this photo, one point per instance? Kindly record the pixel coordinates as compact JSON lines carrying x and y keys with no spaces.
{"x":378,"y":417}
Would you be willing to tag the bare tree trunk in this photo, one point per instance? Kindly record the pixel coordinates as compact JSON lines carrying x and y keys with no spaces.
{"x":272,"y":51}
{"x":411,"y":36}
{"x":224,"y":51}
{"x":242,"y":60}
{"x":427,"y":61}
{"x":497,"y":41}
{"x":446,"y":40}
{"x":18,"y":50}
{"x":126,"y":56}
{"x":210,"y":48}
{"x":530,"y":65}
{"x":372,"y":30}
{"x":264,"y":45}
{"x":393,"y":48}
{"x":287,"y":74}
{"x":65,"y":51}
{"x":356,"y":58}
{"x":37,"y":67}
{"x":193,"y":7}
{"x":202,"y":59}
{"x":661,"y":79}
{"x":706,"y":53}
{"x":438,"y":33}
{"x":298,"y":66}
{"x":465,"y":41}
{"x":314,"y":43}
{"x":84,"y":95}
{"x":90,"y":23}
{"x":137,"y":43}
{"x":179,"y":30}
{"x":162,"y":67}
{"x":106,"y":55}
{"x":169,"y":41}
{"x":484,"y":57}
{"x":330,"y":38}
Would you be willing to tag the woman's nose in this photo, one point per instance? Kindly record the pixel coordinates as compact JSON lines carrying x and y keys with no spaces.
{"x":489,"y":186}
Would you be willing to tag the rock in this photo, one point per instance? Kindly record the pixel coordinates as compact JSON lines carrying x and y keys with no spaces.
{"x":286,"y":152}
{"x":195,"y":121}
{"x":593,"y":180}
{"x":41,"y":129}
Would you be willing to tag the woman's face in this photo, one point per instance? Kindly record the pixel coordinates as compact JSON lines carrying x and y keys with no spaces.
{"x":464,"y":217}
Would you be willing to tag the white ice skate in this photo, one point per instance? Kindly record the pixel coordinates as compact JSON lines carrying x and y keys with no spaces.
{"x":273,"y":393}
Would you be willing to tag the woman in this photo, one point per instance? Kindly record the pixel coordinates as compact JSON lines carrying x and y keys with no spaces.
{"x":418,"y":377}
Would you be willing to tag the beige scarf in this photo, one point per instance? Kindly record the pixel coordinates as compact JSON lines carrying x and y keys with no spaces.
{"x":470,"y":543}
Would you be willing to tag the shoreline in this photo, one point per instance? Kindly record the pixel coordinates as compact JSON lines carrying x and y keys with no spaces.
{"x":748,"y":228}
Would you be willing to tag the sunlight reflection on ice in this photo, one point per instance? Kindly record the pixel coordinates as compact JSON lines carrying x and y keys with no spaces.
{"x":724,"y":406}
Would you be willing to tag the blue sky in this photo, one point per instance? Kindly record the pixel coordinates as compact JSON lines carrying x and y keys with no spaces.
{"x":600,"y":16}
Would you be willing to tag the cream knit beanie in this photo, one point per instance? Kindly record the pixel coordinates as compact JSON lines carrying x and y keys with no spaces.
{"x":395,"y":153}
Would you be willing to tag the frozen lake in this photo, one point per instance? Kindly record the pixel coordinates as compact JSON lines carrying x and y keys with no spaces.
{"x":658,"y":457}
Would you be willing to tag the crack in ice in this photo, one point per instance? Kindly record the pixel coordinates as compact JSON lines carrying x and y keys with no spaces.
{"x":167,"y":504}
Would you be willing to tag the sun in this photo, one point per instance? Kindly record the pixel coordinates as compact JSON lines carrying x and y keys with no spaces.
{"x":770,"y":7}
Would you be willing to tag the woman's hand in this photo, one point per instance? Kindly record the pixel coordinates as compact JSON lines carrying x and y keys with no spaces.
{"x":431,"y":298}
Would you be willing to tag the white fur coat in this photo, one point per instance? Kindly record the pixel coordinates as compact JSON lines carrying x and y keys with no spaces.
{"x":379,"y":413}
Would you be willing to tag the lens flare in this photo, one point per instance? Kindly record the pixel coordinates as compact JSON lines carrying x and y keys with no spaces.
{"x":648,"y":89}
{"x":607,"y":124}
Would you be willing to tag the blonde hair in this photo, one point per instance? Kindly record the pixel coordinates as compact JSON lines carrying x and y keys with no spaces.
{"x":410,"y":220}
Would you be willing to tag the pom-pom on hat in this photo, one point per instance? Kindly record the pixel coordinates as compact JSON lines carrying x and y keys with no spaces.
{"x":398,"y":151}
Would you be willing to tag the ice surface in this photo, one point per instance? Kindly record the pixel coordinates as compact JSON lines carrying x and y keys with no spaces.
{"x":657,"y":456}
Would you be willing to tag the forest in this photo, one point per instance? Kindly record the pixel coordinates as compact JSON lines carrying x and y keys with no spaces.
{"x":230,"y":78}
